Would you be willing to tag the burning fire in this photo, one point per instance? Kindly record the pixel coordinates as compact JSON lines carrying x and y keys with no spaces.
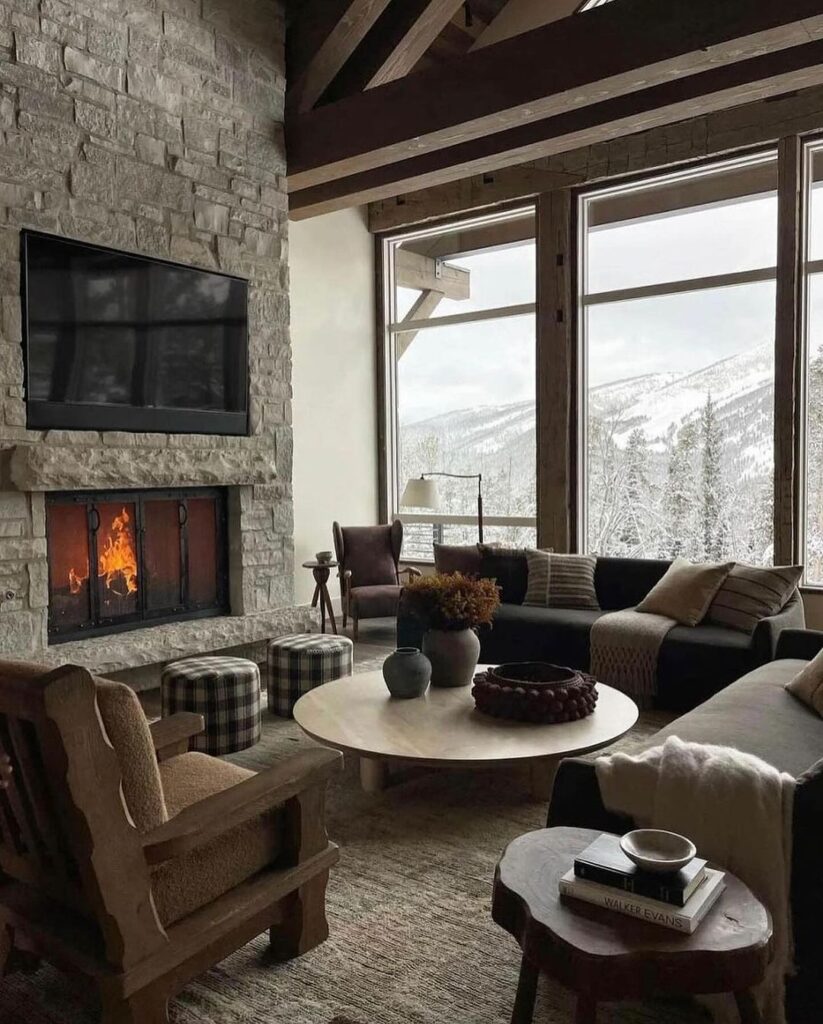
{"x":116,"y":563}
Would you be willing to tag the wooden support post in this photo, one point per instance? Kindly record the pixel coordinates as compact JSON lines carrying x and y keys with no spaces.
{"x":556,"y":374}
{"x":787,"y":348}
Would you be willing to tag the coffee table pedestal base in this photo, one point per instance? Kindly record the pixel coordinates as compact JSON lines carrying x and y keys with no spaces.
{"x":374,"y":776}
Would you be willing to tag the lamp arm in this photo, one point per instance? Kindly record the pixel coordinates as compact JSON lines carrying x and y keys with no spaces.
{"x":467,"y":476}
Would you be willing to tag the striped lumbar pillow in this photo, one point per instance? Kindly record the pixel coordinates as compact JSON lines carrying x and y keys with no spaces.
{"x":560,"y":581}
{"x":751,"y":593}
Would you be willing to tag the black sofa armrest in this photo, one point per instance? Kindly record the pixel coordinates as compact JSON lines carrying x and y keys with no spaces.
{"x":576,"y":800}
{"x":767,"y":632}
{"x":799,"y":643}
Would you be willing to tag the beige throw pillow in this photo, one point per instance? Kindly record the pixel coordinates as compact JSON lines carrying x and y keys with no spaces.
{"x":686,"y":591}
{"x":807,"y":685}
{"x":561,"y":581}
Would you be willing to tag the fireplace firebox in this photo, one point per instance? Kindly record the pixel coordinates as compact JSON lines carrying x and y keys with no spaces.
{"x":124,"y":559}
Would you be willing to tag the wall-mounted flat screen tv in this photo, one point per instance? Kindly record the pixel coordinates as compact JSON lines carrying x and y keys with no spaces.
{"x":115,"y":341}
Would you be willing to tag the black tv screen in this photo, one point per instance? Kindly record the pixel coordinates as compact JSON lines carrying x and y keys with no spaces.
{"x":121,"y":342}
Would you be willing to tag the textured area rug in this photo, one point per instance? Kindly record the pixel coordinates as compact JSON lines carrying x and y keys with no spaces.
{"x":412,"y":939}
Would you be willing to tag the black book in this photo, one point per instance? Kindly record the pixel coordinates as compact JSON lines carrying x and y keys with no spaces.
{"x":604,"y":862}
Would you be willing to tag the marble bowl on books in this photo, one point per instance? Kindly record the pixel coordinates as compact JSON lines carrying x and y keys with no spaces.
{"x":653,"y":849}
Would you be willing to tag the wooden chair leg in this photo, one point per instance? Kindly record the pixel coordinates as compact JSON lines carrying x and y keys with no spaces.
{"x":747,"y":1008}
{"x":356,"y":623}
{"x":526,"y":993}
{"x":304,"y":923}
{"x":149,"y":1007}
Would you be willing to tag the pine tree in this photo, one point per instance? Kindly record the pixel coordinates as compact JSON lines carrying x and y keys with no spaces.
{"x":680,"y":494}
{"x":713,"y":530}
{"x":634,"y":513}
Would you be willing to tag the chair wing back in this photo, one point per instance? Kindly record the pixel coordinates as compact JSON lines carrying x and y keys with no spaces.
{"x":64,"y":827}
{"x":370,"y":553}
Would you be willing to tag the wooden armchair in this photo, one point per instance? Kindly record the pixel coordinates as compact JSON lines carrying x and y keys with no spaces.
{"x":140,"y":871}
{"x":369,"y":560}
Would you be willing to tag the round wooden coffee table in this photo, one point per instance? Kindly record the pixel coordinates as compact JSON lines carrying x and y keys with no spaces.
{"x":443,"y":729}
{"x":603,"y":956}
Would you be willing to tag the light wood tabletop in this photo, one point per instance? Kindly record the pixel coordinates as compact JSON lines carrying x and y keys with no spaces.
{"x":443,"y":729}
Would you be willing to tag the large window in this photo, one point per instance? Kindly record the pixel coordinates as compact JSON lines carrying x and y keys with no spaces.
{"x":677,"y":320}
{"x":460,"y":378}
{"x":813,"y":462}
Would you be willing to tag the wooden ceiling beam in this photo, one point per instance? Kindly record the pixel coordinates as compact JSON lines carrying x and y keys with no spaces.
{"x":769,"y":75}
{"x":523,"y":15}
{"x":396,"y":42}
{"x":612,"y":51}
{"x":412,"y":270}
{"x":324,"y":34}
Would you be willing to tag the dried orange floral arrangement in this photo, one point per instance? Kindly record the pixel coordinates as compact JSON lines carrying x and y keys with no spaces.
{"x":451,"y":600}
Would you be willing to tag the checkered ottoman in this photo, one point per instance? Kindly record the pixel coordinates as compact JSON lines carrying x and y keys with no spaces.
{"x":225,"y":691}
{"x":300,"y":662}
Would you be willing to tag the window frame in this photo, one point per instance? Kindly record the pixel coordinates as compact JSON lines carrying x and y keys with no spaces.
{"x":388,"y":324}
{"x":582,"y":198}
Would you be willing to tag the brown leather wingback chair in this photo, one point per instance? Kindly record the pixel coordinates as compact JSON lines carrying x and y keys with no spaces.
{"x":369,"y":558}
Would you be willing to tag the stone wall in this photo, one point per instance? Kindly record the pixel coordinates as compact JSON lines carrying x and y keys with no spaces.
{"x":153,"y":126}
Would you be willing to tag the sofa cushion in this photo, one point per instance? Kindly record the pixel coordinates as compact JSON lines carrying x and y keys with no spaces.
{"x":696,"y":661}
{"x":757,"y":715}
{"x":184,"y":884}
{"x":686,"y":591}
{"x":559,"y":635}
{"x":464,"y":558}
{"x":624,"y":582}
{"x":751,"y":593}
{"x":560,"y":581}
{"x":508,"y":566}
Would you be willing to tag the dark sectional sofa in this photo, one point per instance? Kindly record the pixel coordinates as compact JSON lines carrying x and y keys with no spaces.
{"x":694,"y":663}
{"x":757,"y":715}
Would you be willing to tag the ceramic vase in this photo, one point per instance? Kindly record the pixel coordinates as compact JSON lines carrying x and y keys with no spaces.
{"x":453,"y":654}
{"x":407,"y":672}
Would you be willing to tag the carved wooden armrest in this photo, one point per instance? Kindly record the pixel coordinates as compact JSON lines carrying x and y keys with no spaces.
{"x":411,"y":570}
{"x":171,"y":735}
{"x":220,"y":812}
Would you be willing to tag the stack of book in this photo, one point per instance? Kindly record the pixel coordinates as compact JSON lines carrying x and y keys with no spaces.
{"x":604,"y":875}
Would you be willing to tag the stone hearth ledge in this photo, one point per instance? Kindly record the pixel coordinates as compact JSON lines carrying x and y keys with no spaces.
{"x":44,"y":467}
{"x":154,"y":645}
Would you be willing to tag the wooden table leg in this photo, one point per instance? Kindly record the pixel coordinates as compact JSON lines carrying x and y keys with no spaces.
{"x":747,"y":1008}
{"x":374,"y":774}
{"x":526,"y":993}
{"x":315,"y":596}
{"x":324,"y":596}
{"x":542,"y":778}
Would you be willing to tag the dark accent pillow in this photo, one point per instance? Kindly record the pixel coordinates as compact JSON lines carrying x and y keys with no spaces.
{"x":464,"y":558}
{"x":561,"y":581}
{"x":751,"y":593}
{"x":508,"y":566}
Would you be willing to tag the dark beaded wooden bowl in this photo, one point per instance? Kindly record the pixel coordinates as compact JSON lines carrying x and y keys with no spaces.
{"x":535,"y":691}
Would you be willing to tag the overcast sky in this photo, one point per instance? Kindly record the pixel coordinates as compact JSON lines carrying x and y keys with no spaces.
{"x":492,"y":362}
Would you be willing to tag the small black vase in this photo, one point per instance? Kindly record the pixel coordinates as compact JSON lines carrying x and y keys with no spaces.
{"x":407,"y":672}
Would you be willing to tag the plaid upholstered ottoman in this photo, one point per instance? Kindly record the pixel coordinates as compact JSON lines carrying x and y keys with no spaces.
{"x":225,"y":691}
{"x":302,"y":661}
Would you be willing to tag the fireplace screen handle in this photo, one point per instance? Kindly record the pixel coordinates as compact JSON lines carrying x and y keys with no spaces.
{"x":94,"y":519}
{"x":182,"y":513}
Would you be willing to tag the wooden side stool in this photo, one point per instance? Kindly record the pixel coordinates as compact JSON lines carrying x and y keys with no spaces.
{"x":603,"y":956}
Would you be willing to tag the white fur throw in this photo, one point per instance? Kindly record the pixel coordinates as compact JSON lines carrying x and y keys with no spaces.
{"x":735,"y":808}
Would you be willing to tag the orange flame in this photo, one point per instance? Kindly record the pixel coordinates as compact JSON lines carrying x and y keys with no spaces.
{"x":117,"y":562}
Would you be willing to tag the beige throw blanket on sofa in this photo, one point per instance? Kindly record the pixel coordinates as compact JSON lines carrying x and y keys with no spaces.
{"x":736,"y":809}
{"x":624,"y":649}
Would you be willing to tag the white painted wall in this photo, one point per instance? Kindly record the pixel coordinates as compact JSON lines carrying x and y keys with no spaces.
{"x":334,"y":411}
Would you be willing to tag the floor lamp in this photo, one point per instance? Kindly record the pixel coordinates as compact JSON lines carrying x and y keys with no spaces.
{"x":422,"y":492}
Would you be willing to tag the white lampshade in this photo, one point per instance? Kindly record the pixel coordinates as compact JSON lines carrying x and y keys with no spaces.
{"x":421,"y":493}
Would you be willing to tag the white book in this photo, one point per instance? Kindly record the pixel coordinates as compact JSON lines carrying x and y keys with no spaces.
{"x":681,"y":919}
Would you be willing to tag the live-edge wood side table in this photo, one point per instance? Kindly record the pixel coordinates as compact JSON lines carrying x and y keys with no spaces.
{"x":321,"y":572}
{"x":604,"y":956}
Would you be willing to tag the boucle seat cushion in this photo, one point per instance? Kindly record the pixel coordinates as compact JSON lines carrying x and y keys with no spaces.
{"x":184,"y":884}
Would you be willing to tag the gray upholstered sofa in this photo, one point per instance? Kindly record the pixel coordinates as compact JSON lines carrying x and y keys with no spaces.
{"x":757,"y":715}
{"x":694,"y":663}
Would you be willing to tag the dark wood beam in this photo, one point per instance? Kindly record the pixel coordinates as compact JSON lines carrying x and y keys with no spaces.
{"x":324,"y":34}
{"x":765,"y":76}
{"x":396,"y":42}
{"x":611,"y":51}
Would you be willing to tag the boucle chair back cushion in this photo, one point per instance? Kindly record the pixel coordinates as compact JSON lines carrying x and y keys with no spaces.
{"x":686,"y":591}
{"x":128,"y":731}
{"x":371,"y":553}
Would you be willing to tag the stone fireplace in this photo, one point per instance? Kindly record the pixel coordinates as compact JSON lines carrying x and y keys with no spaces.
{"x":157,"y":133}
